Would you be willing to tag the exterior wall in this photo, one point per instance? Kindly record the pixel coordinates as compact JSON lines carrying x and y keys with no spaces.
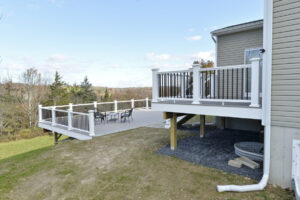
{"x":285,"y":103}
{"x":231,"y":47}
{"x":285,"y":97}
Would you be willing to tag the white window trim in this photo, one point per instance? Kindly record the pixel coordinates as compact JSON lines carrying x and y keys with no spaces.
{"x":244,"y":81}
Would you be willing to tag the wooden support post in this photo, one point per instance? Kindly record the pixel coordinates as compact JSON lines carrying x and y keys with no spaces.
{"x":56,"y":137}
{"x":202,"y":126}
{"x":222,"y":122}
{"x":173,"y":132}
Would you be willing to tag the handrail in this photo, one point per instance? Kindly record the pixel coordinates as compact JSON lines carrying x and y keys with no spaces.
{"x":175,"y":71}
{"x":225,"y":68}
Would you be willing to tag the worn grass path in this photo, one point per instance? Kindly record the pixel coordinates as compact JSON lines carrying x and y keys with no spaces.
{"x":118,"y":166}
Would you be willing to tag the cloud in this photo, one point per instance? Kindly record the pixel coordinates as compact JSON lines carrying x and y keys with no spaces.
{"x":194,"y":38}
{"x":205,"y":55}
{"x":153,"y":57}
{"x":57,"y":58}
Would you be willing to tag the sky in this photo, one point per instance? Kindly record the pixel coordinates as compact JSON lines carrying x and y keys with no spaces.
{"x":115,"y":43}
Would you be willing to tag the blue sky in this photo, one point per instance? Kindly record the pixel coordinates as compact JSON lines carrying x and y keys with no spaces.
{"x":114,"y":42}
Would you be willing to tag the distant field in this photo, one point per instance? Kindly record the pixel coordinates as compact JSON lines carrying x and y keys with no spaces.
{"x":8,"y":149}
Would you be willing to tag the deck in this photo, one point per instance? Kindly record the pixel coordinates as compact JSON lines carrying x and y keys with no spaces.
{"x":140,"y":118}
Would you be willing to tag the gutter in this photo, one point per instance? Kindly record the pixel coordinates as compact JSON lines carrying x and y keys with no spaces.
{"x":267,"y":64}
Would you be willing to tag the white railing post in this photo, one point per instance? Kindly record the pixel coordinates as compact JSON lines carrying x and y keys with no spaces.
{"x":132,"y":103}
{"x":255,"y":82}
{"x":116,"y":105}
{"x":53,"y":115}
{"x":71,"y":107}
{"x":147,"y":103}
{"x":91,"y":123}
{"x":40,"y":113}
{"x":155,"y":85}
{"x":69,"y":119}
{"x":95,"y":106}
{"x":196,"y":84}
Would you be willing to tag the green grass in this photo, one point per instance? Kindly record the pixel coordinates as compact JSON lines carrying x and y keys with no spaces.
{"x":8,"y":149}
{"x":116,"y":166}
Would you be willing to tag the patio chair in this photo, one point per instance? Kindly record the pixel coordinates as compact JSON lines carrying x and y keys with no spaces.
{"x":127,"y":114}
{"x":100,"y":116}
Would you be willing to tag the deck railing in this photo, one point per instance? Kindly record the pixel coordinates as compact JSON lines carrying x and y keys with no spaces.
{"x":68,"y":117}
{"x":239,"y":84}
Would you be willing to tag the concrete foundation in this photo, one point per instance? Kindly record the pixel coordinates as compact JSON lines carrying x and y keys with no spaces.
{"x":281,"y":155}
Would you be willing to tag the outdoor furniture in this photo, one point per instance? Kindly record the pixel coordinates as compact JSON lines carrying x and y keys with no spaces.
{"x":100,"y":116}
{"x":127,"y":114}
{"x":113,"y":116}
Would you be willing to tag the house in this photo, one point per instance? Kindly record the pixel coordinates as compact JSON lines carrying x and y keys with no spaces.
{"x":254,"y":85}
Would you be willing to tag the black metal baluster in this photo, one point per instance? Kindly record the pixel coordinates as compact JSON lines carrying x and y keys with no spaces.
{"x":214,"y":84}
{"x":232,"y":83}
{"x":223,"y":72}
{"x":210,"y":84}
{"x":247,"y":82}
{"x":242,"y":97}
{"x":227,"y":83}
{"x":237,"y":83}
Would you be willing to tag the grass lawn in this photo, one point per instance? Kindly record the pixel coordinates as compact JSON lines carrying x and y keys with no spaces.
{"x":8,"y":149}
{"x":117,"y":166}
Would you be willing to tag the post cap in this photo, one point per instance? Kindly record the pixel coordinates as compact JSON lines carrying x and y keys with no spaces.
{"x":196,"y":66}
{"x":155,"y":69}
{"x":255,"y":59}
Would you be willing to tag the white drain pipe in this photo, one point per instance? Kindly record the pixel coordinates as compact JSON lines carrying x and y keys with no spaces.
{"x":263,"y":182}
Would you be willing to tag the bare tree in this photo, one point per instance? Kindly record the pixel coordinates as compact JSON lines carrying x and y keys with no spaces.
{"x":30,"y":94}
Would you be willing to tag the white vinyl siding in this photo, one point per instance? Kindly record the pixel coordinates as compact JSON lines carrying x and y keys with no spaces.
{"x":285,"y":105}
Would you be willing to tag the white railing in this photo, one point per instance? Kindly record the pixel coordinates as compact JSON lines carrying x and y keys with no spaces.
{"x":219,"y":84}
{"x":65,"y":116}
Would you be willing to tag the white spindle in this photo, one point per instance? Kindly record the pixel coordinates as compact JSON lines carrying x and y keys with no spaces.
{"x":53,"y":115}
{"x":91,"y":123}
{"x":155,"y":85}
{"x":147,"y":103}
{"x":196,"y":83}
{"x":69,"y":119}
{"x":40,"y":113}
{"x":116,"y":105}
{"x":255,"y":82}
{"x":132,"y":103}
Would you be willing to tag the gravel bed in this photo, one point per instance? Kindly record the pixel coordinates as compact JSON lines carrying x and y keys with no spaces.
{"x":214,"y":150}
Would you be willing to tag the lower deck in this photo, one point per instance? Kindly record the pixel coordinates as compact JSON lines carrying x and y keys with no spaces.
{"x":139,"y":118}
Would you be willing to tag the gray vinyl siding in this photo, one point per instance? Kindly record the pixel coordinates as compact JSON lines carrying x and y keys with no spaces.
{"x":231,"y":47}
{"x":230,"y":51}
{"x":285,"y":105}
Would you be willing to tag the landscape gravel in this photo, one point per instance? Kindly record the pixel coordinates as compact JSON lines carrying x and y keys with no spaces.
{"x":215,"y":150}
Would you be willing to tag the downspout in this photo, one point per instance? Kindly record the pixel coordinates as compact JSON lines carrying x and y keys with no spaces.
{"x":268,"y":20}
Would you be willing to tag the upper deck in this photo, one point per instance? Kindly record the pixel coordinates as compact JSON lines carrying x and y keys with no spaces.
{"x":229,"y":91}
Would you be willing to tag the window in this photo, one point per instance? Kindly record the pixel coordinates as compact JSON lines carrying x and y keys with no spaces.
{"x":249,"y":54}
